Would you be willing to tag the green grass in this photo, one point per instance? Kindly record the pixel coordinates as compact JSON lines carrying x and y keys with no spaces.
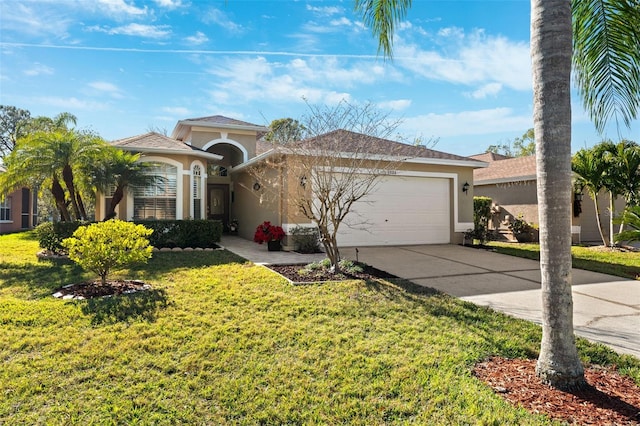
{"x":221,"y":341}
{"x":622,"y":264}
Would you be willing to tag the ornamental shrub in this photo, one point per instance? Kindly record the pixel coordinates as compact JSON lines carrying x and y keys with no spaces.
{"x":266,"y":232}
{"x":104,"y":246}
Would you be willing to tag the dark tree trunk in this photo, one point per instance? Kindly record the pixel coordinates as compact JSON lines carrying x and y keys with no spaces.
{"x":67,"y":176}
{"x":59,"y":196}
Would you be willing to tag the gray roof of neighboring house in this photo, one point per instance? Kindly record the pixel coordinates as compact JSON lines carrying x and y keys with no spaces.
{"x":220,"y":121}
{"x":349,"y":142}
{"x":153,"y":142}
{"x":506,"y":170}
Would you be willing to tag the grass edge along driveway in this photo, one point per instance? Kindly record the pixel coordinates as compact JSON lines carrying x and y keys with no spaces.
{"x":625,"y":264}
{"x":222,"y":341}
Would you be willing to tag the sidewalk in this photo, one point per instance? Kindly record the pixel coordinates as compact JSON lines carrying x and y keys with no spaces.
{"x":258,"y":253}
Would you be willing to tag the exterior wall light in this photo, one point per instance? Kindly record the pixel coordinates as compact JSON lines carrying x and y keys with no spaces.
{"x":465,"y":187}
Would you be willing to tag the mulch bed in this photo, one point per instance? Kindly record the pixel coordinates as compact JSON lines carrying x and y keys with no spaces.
{"x":91,"y":289}
{"x":609,"y":398}
{"x":291,"y":273}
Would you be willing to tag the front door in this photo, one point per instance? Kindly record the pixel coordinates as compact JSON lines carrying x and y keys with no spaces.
{"x":218,"y":203}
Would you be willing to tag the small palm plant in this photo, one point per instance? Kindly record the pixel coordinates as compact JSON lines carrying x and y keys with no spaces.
{"x":631,"y":218}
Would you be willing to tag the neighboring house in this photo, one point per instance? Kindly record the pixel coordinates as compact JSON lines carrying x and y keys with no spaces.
{"x":511,"y":184}
{"x":18,"y":210}
{"x":206,"y":164}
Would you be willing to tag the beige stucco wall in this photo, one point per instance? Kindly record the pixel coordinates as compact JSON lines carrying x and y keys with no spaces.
{"x":202,"y":136}
{"x":589,"y":226}
{"x":291,"y":215}
{"x":251,"y":207}
{"x":514,"y":199}
{"x":521,"y":198}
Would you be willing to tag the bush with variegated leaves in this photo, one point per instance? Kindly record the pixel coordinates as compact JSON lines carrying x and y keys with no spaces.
{"x":104,"y":246}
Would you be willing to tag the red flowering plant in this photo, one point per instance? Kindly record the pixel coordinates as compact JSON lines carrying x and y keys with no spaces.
{"x":266,"y":232}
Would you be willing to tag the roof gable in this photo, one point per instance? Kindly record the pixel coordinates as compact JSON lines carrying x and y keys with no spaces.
{"x":155,"y":142}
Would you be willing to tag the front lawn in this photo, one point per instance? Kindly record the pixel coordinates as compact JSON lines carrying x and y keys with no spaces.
{"x":624,"y":264}
{"x":221,"y":341}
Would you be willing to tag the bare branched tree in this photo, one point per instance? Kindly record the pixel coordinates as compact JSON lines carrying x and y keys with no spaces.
{"x":340,"y":161}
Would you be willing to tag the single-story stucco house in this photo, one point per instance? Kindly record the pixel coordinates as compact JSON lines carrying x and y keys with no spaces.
{"x":511,"y":184}
{"x":18,"y":210}
{"x":206,"y":162}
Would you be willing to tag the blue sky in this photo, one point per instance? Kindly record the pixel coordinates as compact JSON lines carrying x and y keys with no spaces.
{"x":460,"y":73}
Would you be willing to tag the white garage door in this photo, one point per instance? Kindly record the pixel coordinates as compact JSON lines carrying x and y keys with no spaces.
{"x":402,"y":210}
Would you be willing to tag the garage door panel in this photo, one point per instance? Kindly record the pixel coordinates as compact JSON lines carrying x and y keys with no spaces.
{"x":402,"y":210}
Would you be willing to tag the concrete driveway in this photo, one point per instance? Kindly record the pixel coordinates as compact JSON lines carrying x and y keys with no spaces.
{"x":606,"y":308}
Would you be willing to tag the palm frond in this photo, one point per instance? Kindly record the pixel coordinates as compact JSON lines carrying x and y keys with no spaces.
{"x":382,"y":16}
{"x":606,"y":59}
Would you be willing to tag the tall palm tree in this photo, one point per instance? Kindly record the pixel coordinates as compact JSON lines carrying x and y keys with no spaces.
{"x":551,"y":48}
{"x":119,"y":170}
{"x":590,"y":170}
{"x":53,"y":158}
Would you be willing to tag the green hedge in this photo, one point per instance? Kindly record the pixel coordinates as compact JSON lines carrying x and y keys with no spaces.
{"x":51,"y":234}
{"x":166,"y":233}
{"x":183,"y":233}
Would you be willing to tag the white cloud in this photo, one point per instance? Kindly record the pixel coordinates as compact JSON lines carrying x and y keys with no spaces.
{"x":395,"y":105}
{"x":169,"y":4}
{"x":177,"y":111}
{"x":41,"y":21}
{"x":491,"y":89}
{"x":38,"y":69}
{"x":466,"y":123}
{"x":320,"y":80}
{"x":325,"y":10}
{"x":470,"y":60}
{"x":103,"y":87}
{"x":122,"y":7}
{"x":138,"y":30}
{"x":220,"y":18}
{"x":198,"y":38}
{"x":71,"y":104}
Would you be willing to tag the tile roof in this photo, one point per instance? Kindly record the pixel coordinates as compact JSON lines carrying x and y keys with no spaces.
{"x":220,"y":119}
{"x":348,"y":141}
{"x":510,"y":169}
{"x":153,"y":141}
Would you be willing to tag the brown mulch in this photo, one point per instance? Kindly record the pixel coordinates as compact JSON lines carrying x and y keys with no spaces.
{"x":291,"y":272}
{"x":609,"y":398}
{"x":91,"y":289}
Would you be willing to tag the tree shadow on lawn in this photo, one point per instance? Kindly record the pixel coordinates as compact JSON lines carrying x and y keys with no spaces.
{"x":164,"y":262}
{"x":142,"y":305}
{"x":40,"y":278}
{"x":494,"y":328}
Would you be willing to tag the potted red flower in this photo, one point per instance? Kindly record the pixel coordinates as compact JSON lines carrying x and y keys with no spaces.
{"x":270,"y":234}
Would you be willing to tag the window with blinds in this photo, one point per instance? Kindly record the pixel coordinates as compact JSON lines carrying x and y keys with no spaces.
{"x":157,"y":200}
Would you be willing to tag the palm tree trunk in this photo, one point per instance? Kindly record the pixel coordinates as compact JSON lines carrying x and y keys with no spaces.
{"x":59,"y":196}
{"x":612,"y":213}
{"x":67,"y":176}
{"x":558,"y":364}
{"x":118,"y":195}
{"x":83,"y":210}
{"x":598,"y":221}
